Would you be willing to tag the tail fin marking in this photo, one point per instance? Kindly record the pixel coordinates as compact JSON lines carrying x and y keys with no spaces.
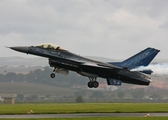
{"x":142,"y":58}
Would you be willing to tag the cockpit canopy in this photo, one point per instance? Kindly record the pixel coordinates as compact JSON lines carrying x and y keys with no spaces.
{"x":50,"y":46}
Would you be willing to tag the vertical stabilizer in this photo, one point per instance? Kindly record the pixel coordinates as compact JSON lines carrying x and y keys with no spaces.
{"x":142,"y":58}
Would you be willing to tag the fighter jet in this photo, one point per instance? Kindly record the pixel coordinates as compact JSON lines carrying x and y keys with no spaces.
{"x":115,"y":73}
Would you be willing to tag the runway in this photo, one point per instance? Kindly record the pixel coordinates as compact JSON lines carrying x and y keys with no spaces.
{"x":84,"y":115}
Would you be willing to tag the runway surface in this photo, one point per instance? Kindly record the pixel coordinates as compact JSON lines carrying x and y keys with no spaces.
{"x":83,"y":115}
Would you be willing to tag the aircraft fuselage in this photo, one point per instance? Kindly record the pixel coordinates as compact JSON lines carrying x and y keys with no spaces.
{"x":86,"y":67}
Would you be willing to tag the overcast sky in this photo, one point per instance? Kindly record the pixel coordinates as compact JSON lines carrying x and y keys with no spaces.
{"x":114,"y":29}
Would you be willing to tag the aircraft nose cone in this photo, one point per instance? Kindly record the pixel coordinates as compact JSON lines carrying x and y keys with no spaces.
{"x":20,"y":49}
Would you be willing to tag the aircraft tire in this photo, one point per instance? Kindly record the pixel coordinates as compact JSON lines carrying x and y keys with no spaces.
{"x":95,"y":84}
{"x":52,"y":75}
{"x":90,"y":84}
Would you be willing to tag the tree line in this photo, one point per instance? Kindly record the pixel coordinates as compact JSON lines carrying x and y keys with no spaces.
{"x":43,"y":76}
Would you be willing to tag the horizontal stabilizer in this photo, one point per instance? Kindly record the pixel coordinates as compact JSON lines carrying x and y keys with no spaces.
{"x":149,"y":72}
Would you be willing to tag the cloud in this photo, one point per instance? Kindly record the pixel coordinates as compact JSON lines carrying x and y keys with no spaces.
{"x":104,"y":28}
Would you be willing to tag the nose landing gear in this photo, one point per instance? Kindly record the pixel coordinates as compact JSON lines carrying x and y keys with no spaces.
{"x":52,"y":75}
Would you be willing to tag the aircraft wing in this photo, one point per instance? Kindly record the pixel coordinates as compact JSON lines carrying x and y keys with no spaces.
{"x":100,"y":66}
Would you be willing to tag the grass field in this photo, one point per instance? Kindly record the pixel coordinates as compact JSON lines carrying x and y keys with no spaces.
{"x":54,"y":108}
{"x":105,"y":118}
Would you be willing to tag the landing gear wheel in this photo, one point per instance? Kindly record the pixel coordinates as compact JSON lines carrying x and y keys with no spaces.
{"x":90,"y":84}
{"x":52,"y":75}
{"x":95,"y":84}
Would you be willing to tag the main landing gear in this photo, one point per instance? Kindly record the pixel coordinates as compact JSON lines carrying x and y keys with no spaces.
{"x":93,"y":83}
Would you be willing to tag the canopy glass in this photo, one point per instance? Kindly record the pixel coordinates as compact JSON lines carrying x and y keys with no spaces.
{"x":50,"y":46}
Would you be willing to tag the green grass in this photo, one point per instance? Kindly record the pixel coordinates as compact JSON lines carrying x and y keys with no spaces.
{"x":105,"y":118}
{"x":56,"y":108}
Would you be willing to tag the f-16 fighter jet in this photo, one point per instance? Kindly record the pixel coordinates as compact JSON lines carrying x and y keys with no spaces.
{"x":115,"y":73}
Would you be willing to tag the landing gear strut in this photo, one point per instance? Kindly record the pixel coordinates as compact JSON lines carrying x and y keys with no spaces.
{"x":93,"y":83}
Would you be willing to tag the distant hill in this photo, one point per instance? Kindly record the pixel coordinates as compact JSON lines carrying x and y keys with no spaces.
{"x":24,"y":65}
{"x":17,"y":61}
{"x":38,"y":61}
{"x":40,"y":83}
{"x":33,"y":88}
